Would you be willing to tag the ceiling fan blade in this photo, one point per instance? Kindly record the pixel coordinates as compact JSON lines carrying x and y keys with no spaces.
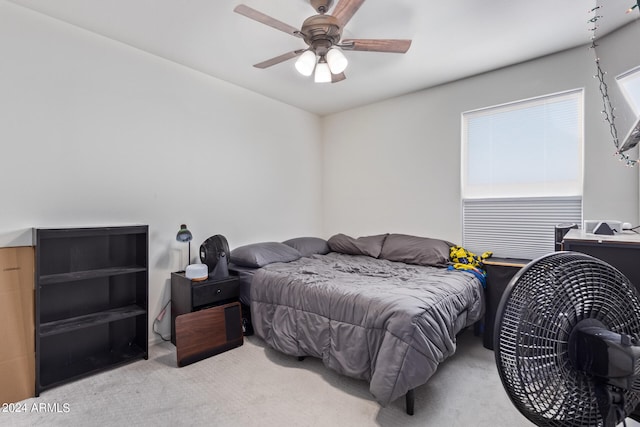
{"x":345,"y":9}
{"x":279,"y":59}
{"x":335,"y":78}
{"x":376,"y":45}
{"x":266,"y":19}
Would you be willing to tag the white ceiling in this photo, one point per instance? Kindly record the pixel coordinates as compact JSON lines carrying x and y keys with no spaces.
{"x":451,"y":40}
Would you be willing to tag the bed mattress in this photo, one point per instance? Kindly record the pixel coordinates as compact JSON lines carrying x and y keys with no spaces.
{"x":387,"y":322}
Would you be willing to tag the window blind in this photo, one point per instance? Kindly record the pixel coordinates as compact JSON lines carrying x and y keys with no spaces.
{"x":517,"y":227}
{"x":522,"y":174}
{"x":529,"y":148}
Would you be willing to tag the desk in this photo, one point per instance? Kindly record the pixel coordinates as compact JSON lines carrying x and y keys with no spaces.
{"x":621,"y":250}
{"x":500,"y":271}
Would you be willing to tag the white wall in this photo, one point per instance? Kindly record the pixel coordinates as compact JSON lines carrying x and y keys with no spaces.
{"x":394,"y":166}
{"x":94,"y":132}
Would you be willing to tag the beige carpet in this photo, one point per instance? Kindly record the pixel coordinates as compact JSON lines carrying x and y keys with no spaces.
{"x":255,"y":386}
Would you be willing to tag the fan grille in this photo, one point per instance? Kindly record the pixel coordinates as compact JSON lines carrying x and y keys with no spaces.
{"x":541,"y":305}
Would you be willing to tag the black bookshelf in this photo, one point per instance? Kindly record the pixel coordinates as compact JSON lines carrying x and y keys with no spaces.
{"x":91,"y":299}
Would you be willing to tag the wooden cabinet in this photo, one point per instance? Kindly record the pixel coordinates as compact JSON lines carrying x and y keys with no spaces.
{"x":17,"y":364}
{"x":91,"y":300}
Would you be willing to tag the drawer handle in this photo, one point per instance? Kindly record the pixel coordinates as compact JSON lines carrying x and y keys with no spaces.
{"x":218,"y":291}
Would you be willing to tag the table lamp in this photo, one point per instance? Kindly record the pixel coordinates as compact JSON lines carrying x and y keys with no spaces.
{"x":184,"y":235}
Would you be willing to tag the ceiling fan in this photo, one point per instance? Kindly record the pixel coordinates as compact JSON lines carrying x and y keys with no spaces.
{"x":323,"y":35}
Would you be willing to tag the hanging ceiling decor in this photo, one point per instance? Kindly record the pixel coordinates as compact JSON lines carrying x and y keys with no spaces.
{"x":608,"y":111}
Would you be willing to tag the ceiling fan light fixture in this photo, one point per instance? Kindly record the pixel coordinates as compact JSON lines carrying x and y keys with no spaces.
{"x":322,"y":34}
{"x":323,"y":73}
{"x":336,"y":60}
{"x":306,"y":63}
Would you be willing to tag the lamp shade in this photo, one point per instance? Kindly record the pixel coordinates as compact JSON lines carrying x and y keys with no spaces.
{"x":323,"y":73}
{"x":336,"y":60}
{"x":184,"y":235}
{"x":306,"y":63}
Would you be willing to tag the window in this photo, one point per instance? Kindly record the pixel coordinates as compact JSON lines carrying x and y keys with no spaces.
{"x":521,"y":174}
{"x":630,"y":85}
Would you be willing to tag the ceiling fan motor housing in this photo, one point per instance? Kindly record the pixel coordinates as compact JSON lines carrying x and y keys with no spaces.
{"x":321,"y":32}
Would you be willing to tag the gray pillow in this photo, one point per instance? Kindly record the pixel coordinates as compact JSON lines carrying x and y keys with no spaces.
{"x":368,"y":245}
{"x":308,"y":246}
{"x":258,"y":255}
{"x":416,"y":250}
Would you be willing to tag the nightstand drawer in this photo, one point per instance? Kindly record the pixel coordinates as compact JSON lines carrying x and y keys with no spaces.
{"x":210,"y":293}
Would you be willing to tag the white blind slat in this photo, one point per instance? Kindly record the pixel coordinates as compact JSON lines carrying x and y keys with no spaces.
{"x":516,"y":228}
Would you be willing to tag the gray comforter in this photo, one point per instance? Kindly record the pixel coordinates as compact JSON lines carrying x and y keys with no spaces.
{"x":386,"y":322}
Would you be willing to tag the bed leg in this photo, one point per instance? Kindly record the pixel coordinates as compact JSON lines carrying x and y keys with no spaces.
{"x":301,"y":358}
{"x":410,"y":398}
{"x":477,"y":328}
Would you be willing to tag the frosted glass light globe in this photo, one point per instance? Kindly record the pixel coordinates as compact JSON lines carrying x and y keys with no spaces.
{"x":336,"y":60}
{"x":306,"y":63}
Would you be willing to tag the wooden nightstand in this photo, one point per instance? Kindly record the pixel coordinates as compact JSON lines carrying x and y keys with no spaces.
{"x":500,"y":271}
{"x":205,"y":317}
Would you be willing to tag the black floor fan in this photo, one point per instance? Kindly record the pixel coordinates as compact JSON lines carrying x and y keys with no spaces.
{"x":567,"y":342}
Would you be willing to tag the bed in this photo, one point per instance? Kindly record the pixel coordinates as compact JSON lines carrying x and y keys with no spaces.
{"x":382,"y":308}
